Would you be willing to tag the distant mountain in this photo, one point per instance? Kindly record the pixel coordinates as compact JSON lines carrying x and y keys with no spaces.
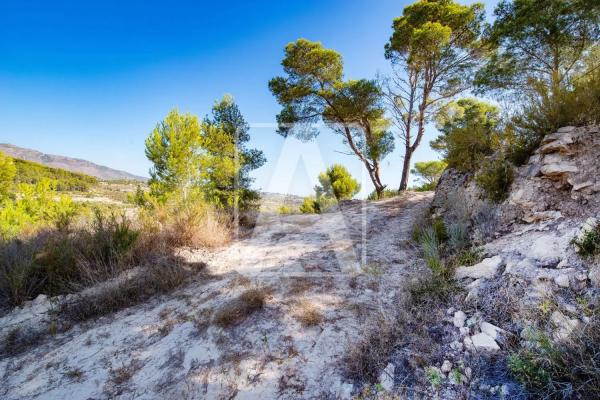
{"x":68,"y":163}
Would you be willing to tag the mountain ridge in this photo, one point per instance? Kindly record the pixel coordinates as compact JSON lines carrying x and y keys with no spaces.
{"x":68,"y":163}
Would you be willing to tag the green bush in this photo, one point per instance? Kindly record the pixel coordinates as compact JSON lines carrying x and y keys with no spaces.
{"x":310,"y":206}
{"x":284,"y":210}
{"x":337,"y":183}
{"x":564,"y":370}
{"x":589,"y":244}
{"x":495,"y":178}
{"x":387,"y":194}
{"x":35,"y":207}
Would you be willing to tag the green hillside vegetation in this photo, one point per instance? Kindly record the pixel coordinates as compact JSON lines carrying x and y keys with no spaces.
{"x":65,"y":181}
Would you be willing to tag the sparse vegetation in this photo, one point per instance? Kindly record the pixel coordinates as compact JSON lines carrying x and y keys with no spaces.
{"x":307,"y":314}
{"x":238,"y":309}
{"x":588,"y":245}
{"x":561,"y":370}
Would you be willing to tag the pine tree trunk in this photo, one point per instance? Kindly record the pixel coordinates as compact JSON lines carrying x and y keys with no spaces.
{"x":405,"y":169}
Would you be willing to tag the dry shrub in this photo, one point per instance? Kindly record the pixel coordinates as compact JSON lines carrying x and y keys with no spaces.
{"x":126,"y":293}
{"x":187,"y":223}
{"x":307,"y":314}
{"x":18,"y":340}
{"x":366,"y":358}
{"x":236,"y":310}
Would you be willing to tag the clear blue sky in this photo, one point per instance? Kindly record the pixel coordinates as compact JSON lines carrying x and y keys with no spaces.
{"x":91,"y":79}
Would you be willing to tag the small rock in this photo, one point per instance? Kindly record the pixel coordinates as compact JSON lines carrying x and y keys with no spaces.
{"x":594,"y":276}
{"x":446,"y":366}
{"x":491,"y":330}
{"x":464,"y":330}
{"x":450,"y":311}
{"x":472,"y":321}
{"x":578,"y":186}
{"x":468,"y":343}
{"x":485,"y":269}
{"x":386,"y":379}
{"x":459,"y":319}
{"x":562,"y":281}
{"x":564,"y":325}
{"x":456,"y":345}
{"x":468,"y":372}
{"x":481,"y":341}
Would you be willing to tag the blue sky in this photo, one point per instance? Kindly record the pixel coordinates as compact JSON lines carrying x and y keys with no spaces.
{"x":91,"y":79}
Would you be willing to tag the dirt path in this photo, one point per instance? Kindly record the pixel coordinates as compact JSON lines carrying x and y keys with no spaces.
{"x":347,"y":267}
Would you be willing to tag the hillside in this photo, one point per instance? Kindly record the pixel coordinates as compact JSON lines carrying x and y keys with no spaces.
{"x":68,"y":163}
{"x":31,"y":172}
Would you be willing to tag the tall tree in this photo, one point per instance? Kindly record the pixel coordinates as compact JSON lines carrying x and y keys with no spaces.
{"x":314,"y":90}
{"x":470,"y":131}
{"x":190,"y":156}
{"x":174,"y":149}
{"x":539,"y":46}
{"x":227,"y":116}
{"x":434,"y":50}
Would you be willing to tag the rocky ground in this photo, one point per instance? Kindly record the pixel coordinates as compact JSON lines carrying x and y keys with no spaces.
{"x":324,"y":278}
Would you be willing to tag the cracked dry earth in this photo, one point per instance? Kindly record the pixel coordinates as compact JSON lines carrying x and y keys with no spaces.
{"x":351,"y":266}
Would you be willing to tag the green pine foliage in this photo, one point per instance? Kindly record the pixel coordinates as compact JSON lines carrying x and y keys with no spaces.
{"x":337,"y":182}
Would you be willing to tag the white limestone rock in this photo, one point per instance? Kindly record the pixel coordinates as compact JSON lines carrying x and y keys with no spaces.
{"x":386,"y":379}
{"x":485,"y":269}
{"x":459,"y":319}
{"x":483,"y":342}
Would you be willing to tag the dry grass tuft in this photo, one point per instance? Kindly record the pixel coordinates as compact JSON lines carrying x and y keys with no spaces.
{"x":307,"y":314}
{"x":236,"y":310}
{"x":365,"y":358}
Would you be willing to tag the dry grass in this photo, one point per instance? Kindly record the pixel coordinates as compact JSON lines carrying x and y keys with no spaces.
{"x":236,"y":310}
{"x":307,"y":314}
{"x":367,"y":357}
{"x":146,"y":283}
{"x":18,"y":340}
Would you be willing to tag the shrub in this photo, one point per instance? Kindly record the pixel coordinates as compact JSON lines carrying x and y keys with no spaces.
{"x":187,"y":221}
{"x":236,"y":310}
{"x":562,"y":370}
{"x":589,"y":243}
{"x":337,"y":182}
{"x":308,"y":315}
{"x":35,"y":207}
{"x":284,"y":210}
{"x":387,"y":194}
{"x":141,"y":286}
{"x":495,"y":179}
{"x":310,"y":206}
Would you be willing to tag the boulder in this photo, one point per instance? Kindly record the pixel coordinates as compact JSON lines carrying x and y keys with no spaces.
{"x":485,"y":269}
{"x":484,"y":342}
{"x":492,"y":330}
{"x":562,"y":281}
